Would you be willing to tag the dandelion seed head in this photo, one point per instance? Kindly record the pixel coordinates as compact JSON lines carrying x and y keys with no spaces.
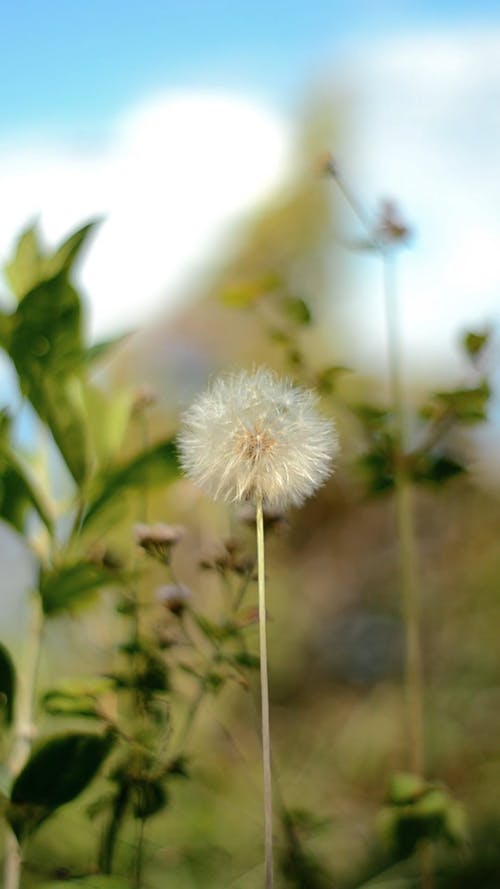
{"x":254,"y":435}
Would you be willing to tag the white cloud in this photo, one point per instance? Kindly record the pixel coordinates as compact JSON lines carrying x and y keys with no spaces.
{"x":173,"y":174}
{"x":426,"y":132}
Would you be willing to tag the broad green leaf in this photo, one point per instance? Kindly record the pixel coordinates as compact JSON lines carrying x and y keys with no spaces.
{"x":69,"y":586}
{"x":19,"y":491}
{"x":65,"y":416}
{"x":157,"y":465}
{"x":46,"y":348}
{"x":57,"y":771}
{"x":68,"y":251}
{"x":25,"y":268}
{"x":47,"y":332}
{"x":7,"y":684}
{"x":108,"y":415}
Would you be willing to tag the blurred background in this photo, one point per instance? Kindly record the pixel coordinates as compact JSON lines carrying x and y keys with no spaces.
{"x":194,"y":131}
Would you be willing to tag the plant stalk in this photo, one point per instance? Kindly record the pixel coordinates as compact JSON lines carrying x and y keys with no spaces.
{"x":407,"y":555}
{"x":406,"y":530}
{"x":264,"y":693}
{"x":24,"y":726}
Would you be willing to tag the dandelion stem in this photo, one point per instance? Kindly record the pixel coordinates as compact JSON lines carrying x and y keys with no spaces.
{"x":264,"y":690}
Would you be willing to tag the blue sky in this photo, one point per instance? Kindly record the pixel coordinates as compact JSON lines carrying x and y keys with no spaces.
{"x":119,"y":109}
{"x":71,"y":64}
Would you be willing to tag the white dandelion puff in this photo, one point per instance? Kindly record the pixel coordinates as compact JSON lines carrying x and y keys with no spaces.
{"x":254,"y":436}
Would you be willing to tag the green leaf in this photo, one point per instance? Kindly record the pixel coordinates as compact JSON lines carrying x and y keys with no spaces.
{"x":46,"y":348}
{"x":377,"y":467}
{"x":65,"y":587}
{"x":420,"y":810}
{"x":7,"y":684}
{"x":5,"y":330}
{"x":466,"y":405}
{"x":108,"y":415}
{"x":24,"y":269}
{"x":405,"y":787}
{"x":101,"y":349}
{"x":296,"y":310}
{"x":475,"y":343}
{"x":66,"y":419}
{"x":157,"y":465}
{"x":246,"y":659}
{"x":47,"y":331}
{"x":243,"y":294}
{"x":436,"y":470}
{"x":372,"y":417}
{"x":57,"y":771}
{"x":19,"y":491}
{"x":30,"y":266}
{"x":67,"y":252}
{"x":326,"y":379}
{"x":77,"y":697}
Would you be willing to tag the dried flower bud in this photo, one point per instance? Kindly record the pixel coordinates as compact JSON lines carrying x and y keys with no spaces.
{"x":174,"y":597}
{"x":326,"y":165}
{"x":228,"y":557}
{"x":157,"y":540}
{"x":390,"y":228}
{"x":99,"y":554}
{"x":145,"y":396}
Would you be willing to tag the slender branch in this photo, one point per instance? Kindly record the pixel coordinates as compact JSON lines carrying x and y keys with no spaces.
{"x":24,"y":726}
{"x":264,"y":691}
{"x":355,"y":206}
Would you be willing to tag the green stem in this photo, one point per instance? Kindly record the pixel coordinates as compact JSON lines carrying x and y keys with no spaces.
{"x":110,"y":837}
{"x":139,"y":854}
{"x":264,"y":691}
{"x":407,"y":555}
{"x":406,"y":530}
{"x":24,"y":726}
